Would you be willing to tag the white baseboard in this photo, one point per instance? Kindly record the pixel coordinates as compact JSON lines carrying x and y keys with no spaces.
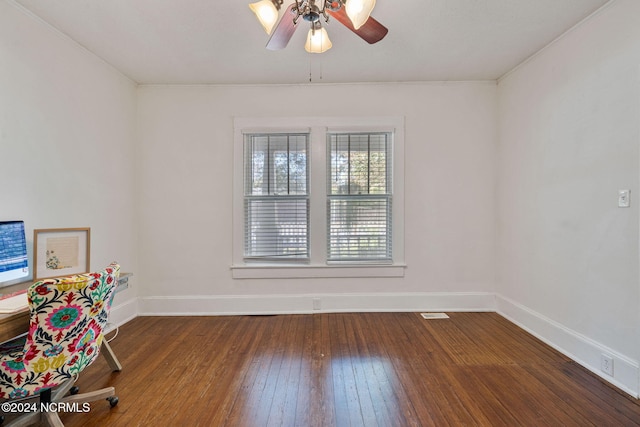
{"x":581,"y":349}
{"x":316,"y":303}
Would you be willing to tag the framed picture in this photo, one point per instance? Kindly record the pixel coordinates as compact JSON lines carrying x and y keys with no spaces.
{"x":60,"y":252}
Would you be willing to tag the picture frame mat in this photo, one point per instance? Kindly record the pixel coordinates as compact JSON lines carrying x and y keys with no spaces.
{"x":59,"y":252}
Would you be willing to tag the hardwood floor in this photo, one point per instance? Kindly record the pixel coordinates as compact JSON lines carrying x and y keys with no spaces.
{"x":365,"y":369}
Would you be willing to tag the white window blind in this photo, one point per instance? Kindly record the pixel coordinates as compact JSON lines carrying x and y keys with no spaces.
{"x":359,"y":197}
{"x":276,"y":197}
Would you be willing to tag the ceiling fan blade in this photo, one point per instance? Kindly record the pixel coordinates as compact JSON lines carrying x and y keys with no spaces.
{"x":283,"y":31}
{"x":372,"y":31}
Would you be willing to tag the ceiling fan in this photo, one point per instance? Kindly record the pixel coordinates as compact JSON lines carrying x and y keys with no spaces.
{"x":353,"y":14}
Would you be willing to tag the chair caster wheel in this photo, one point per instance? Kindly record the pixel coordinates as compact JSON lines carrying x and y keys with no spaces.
{"x":113,"y":400}
{"x":74,"y":390}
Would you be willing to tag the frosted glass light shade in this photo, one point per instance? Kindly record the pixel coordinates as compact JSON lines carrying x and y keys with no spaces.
{"x":318,"y":41}
{"x":358,"y":11}
{"x":266,"y":13}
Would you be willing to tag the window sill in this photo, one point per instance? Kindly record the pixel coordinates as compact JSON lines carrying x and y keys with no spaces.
{"x":315,"y":271}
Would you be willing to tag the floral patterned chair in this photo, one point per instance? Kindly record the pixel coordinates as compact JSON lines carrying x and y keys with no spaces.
{"x":68,"y":316}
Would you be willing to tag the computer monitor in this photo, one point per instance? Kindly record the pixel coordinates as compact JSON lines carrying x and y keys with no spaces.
{"x":14,"y":263}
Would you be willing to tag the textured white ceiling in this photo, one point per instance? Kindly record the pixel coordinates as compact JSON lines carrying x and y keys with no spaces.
{"x":198,"y":41}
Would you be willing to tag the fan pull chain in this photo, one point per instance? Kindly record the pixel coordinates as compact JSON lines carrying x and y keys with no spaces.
{"x":318,"y":65}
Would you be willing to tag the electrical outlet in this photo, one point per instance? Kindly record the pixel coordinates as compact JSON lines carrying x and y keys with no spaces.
{"x":606,"y":364}
{"x":316,"y":304}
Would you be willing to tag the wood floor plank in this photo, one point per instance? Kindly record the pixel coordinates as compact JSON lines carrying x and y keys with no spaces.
{"x":290,"y":379}
{"x":242,"y":354}
{"x":320,"y":410}
{"x":375,"y":380}
{"x":408,"y":364}
{"x":345,"y":369}
{"x":345,"y":397}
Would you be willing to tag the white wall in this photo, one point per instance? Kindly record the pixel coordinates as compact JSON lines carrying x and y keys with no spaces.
{"x":67,"y":132}
{"x":569,"y":133}
{"x":186,"y":171}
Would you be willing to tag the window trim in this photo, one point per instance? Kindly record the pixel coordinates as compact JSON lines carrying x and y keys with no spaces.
{"x":318,"y":266}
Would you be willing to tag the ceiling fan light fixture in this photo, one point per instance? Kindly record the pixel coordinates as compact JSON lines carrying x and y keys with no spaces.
{"x":267,"y":13}
{"x":317,"y":40}
{"x":314,"y":11}
{"x":359,"y":11}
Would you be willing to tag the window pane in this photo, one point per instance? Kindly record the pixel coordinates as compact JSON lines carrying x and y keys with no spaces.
{"x":255,"y":165}
{"x":379,"y":165}
{"x":359,"y":164}
{"x":275,"y":164}
{"x":359,"y":228}
{"x":276,"y":228}
{"x":298,"y":164}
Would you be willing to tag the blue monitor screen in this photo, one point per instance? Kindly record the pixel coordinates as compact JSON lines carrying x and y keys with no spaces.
{"x":14,"y":263}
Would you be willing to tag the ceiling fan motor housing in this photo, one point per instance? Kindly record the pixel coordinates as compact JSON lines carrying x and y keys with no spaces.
{"x":311,"y":12}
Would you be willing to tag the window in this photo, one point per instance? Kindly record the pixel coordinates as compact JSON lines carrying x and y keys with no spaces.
{"x":325,"y":200}
{"x":276,"y":197}
{"x":359,"y":197}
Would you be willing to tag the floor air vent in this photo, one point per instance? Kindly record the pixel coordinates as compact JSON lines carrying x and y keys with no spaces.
{"x":430,"y":316}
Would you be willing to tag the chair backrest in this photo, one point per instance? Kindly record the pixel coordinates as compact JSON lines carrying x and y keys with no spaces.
{"x":68,"y":317}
